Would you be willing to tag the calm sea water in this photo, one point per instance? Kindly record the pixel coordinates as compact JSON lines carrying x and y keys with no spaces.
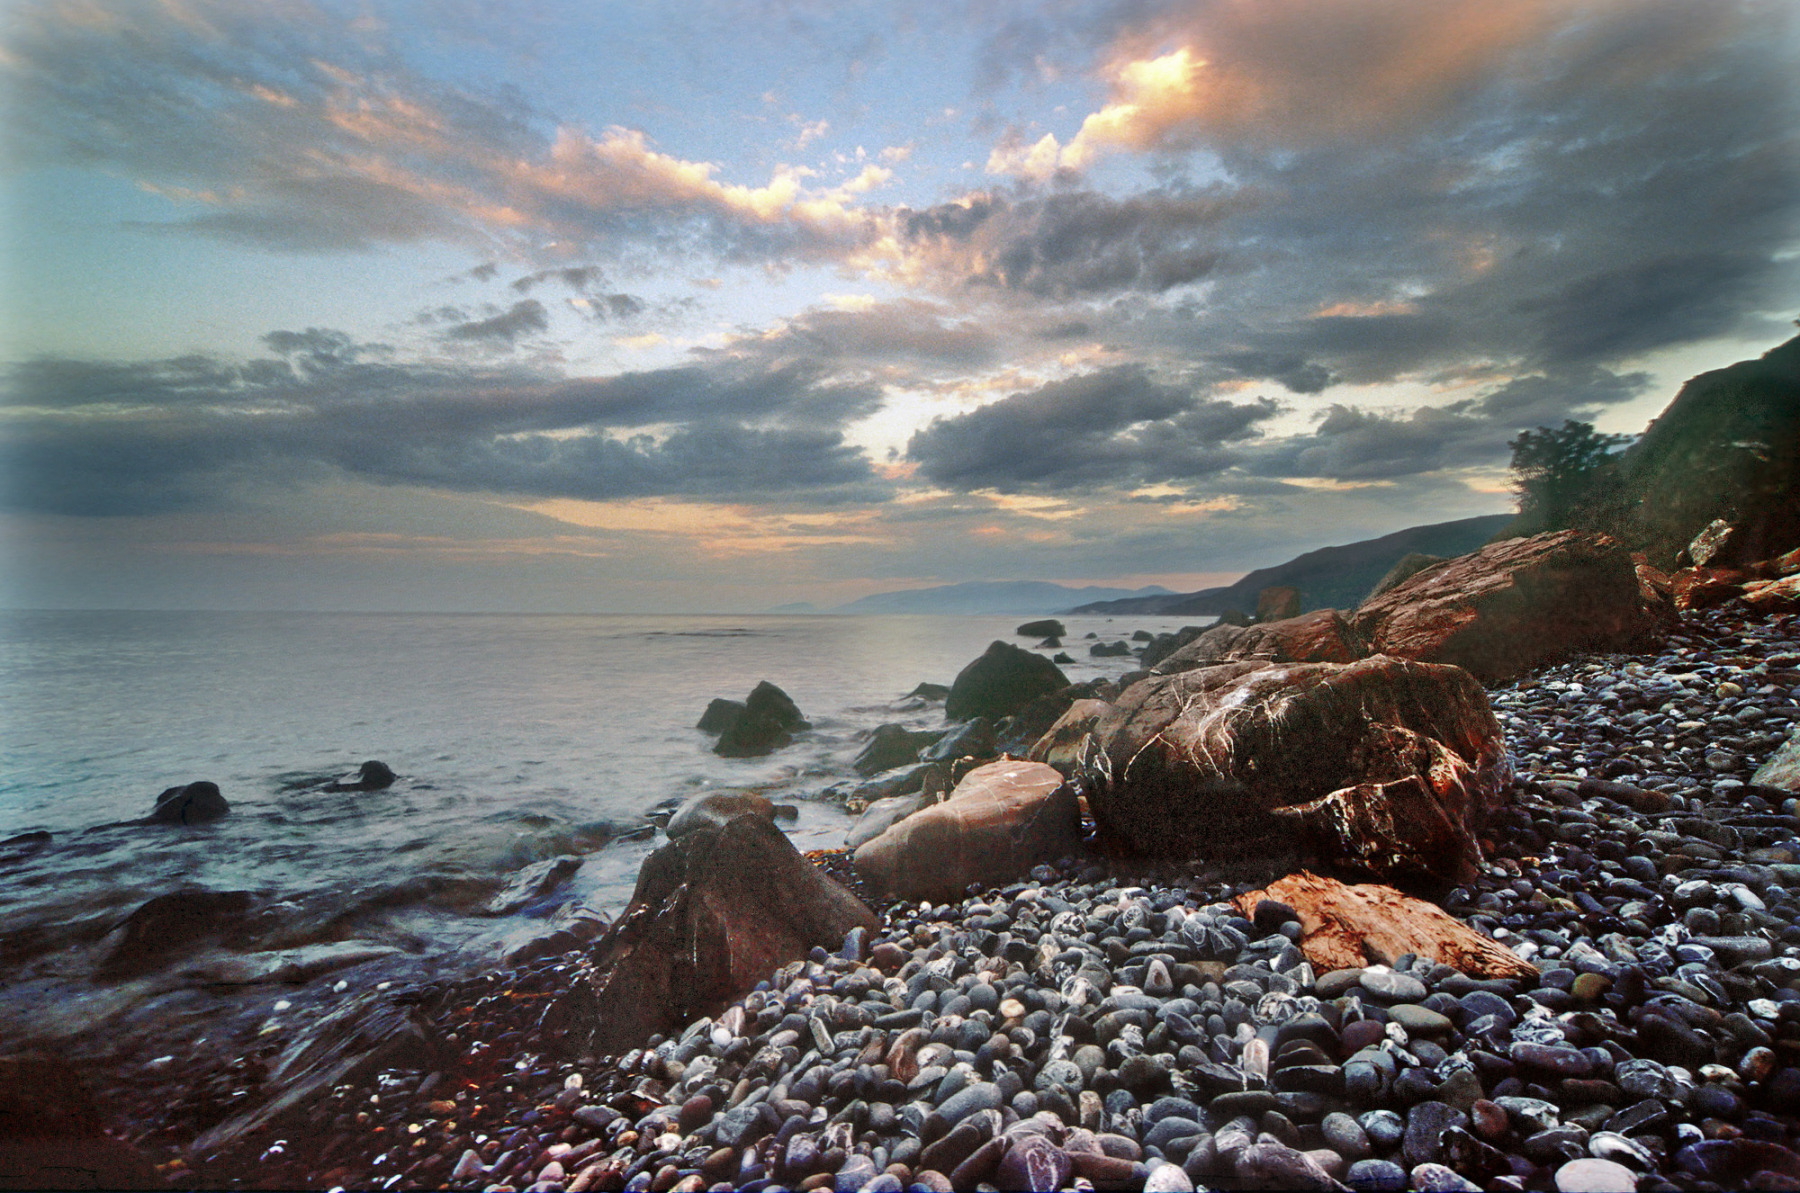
{"x":516,"y":739}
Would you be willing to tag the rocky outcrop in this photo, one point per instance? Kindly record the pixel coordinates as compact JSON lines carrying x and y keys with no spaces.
{"x":1002,"y":819}
{"x":890,"y":746}
{"x":1697,"y":588}
{"x":1348,"y":927}
{"x":1383,"y":766}
{"x":1048,"y":627}
{"x":195,"y":803}
{"x":713,"y":913}
{"x":1513,"y":605}
{"x":1277,"y":603}
{"x":173,"y":923}
{"x":1001,"y":681}
{"x":1322,"y":636}
{"x":1773,"y":596}
{"x":532,"y":884}
{"x":716,"y":808}
{"x":1404,"y":569}
{"x":768,"y":721}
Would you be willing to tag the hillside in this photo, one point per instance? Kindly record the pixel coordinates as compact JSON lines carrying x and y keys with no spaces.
{"x":1329,"y":578}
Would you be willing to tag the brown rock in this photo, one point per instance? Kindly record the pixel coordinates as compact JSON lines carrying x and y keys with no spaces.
{"x":1785,"y":565}
{"x":713,"y":913}
{"x":1382,"y":765}
{"x":1322,"y":636}
{"x":1065,"y":745}
{"x":716,"y":808}
{"x":1278,"y":602}
{"x":1346,"y":927}
{"x":1773,"y":596}
{"x":1512,"y":605}
{"x":1706,"y":588}
{"x":1001,"y":820}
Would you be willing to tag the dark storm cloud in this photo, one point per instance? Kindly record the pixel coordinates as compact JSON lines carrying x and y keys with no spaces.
{"x":1115,"y":427}
{"x":523,"y":318}
{"x":108,"y":439}
{"x":1073,"y":244}
{"x":1546,"y":400}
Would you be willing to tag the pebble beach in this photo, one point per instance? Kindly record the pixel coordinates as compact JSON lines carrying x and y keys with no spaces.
{"x":1116,"y":1024}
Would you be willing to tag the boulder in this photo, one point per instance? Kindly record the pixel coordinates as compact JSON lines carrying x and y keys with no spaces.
{"x":713,"y":913}
{"x":1001,"y":681}
{"x":52,"y":1132}
{"x":1233,"y":617}
{"x":1382,"y":766}
{"x":1001,"y":820}
{"x":1278,"y":602}
{"x":1322,"y":636}
{"x":1104,"y":650}
{"x":1066,"y":744}
{"x":719,"y":714}
{"x":884,"y":814}
{"x":173,"y":923}
{"x":716,"y":808}
{"x":769,"y":720}
{"x":1714,"y":544}
{"x":892,"y":745}
{"x":1699,"y":588}
{"x":929,"y":691}
{"x":1513,"y":605}
{"x":373,"y":775}
{"x":1773,"y":596}
{"x":899,"y":782}
{"x":1348,"y":927}
{"x":1015,"y":734}
{"x":195,"y":803}
{"x":971,"y":739}
{"x":1049,"y":627}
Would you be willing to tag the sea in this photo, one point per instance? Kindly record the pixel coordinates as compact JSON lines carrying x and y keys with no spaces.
{"x":517,"y":740}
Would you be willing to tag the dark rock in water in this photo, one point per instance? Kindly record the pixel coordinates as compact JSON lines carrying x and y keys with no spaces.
{"x":51,"y":1134}
{"x":173,"y":923}
{"x":1514,"y":604}
{"x":900,"y":782}
{"x":971,"y":739}
{"x":1384,"y":766}
{"x":713,"y":913}
{"x":1105,"y":650}
{"x":1062,"y":658}
{"x":716,"y":808}
{"x":373,"y":775}
{"x":1278,"y":602}
{"x":769,"y":720}
{"x":1001,"y":681}
{"x":195,"y":803}
{"x":371,"y":1031}
{"x":533,"y":883}
{"x":1048,"y":627}
{"x":892,"y":745}
{"x":719,"y":714}
{"x":1001,"y":820}
{"x":930,"y":691}
{"x":1050,"y":644}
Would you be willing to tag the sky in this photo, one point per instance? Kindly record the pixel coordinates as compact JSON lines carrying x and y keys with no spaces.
{"x":686,"y":307}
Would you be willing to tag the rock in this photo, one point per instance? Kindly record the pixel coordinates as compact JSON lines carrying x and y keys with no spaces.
{"x":1066,"y":744}
{"x":1383,"y":766}
{"x":713,"y":913}
{"x":1002,"y":819}
{"x":1782,"y":770}
{"x":51,"y":1132}
{"x":1343,"y":925}
{"x":1638,"y":799}
{"x":716,"y":808}
{"x":1713,"y":542}
{"x":1163,"y":645}
{"x":971,"y":739}
{"x":769,"y":720}
{"x":929,"y":691}
{"x":1512,"y":605}
{"x":373,"y":775}
{"x":1694,"y":589}
{"x":1048,"y":627}
{"x":890,"y":746}
{"x":1277,"y":603}
{"x":1001,"y":681}
{"x":173,"y":923}
{"x":1322,"y":636}
{"x":1406,"y":567}
{"x":532,"y":883}
{"x":721,"y":713}
{"x":1109,"y":650}
{"x":1773,"y":596}
{"x":882,"y":815}
{"x":195,"y":803}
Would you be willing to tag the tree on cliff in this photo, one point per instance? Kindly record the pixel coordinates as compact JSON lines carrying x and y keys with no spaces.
{"x":1566,"y":476}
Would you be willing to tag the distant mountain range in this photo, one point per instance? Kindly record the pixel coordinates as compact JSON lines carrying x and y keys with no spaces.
{"x":1329,"y":578}
{"x":993,"y":596}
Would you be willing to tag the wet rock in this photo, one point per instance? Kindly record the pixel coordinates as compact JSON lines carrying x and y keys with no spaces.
{"x":719,"y":714}
{"x":1047,"y":627}
{"x":769,"y":720}
{"x":170,"y":924}
{"x":196,"y":803}
{"x":1381,"y":765}
{"x":971,"y":739}
{"x":713,"y":913}
{"x":531,"y":884}
{"x":716,"y":808}
{"x":882,"y":815}
{"x":1000,"y":682}
{"x":1505,"y":609}
{"x":373,"y":775}
{"x":890,"y":746}
{"x":1001,"y":820}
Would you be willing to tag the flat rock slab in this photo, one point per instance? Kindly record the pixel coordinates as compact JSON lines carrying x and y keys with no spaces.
{"x":1346,"y":927}
{"x":1322,"y":636}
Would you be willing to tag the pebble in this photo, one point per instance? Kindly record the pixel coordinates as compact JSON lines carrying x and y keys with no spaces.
{"x":1595,"y":1176}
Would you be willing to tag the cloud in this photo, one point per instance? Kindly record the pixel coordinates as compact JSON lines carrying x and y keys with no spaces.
{"x":910,"y":332}
{"x":92,"y":438}
{"x":1111,"y":428}
{"x":523,"y":318}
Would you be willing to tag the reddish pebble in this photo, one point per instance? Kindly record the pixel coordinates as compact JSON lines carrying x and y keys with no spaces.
{"x":1489,"y":1120}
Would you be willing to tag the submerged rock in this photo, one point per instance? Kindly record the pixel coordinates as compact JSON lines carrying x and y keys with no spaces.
{"x":373,"y":775}
{"x":173,"y":923}
{"x":195,"y":803}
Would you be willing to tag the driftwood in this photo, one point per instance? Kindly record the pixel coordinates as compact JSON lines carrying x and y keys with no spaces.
{"x":1350,"y":926}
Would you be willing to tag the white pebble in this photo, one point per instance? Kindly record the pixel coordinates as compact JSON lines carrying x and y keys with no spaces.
{"x":1595,"y":1176}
